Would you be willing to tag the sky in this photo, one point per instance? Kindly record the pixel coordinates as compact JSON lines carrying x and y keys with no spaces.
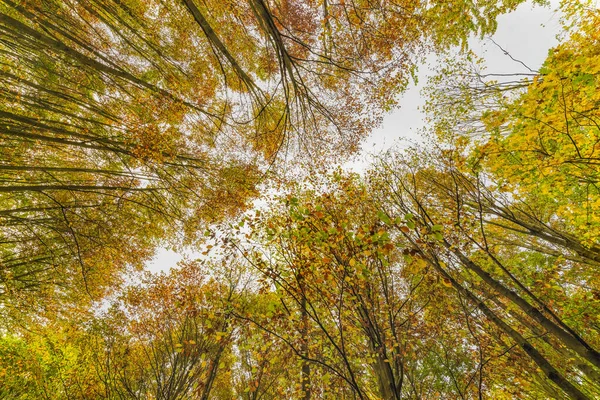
{"x":527,"y":34}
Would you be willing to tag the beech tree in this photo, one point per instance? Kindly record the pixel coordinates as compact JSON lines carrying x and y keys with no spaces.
{"x":166,"y":115}
{"x":453,"y":232}
{"x":363,"y":315}
{"x":462,"y":268}
{"x":168,"y":338}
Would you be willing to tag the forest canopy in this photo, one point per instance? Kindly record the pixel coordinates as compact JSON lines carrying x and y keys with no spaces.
{"x":464,"y":267}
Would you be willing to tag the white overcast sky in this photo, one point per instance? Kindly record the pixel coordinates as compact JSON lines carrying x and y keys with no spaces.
{"x":526,"y":34}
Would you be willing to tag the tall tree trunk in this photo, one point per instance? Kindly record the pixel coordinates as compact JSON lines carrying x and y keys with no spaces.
{"x":552,"y":373}
{"x":574,"y":343}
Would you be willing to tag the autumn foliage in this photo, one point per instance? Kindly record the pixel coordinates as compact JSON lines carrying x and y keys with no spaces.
{"x":462,"y":268}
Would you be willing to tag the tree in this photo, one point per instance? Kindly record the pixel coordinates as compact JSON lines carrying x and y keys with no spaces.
{"x":169,"y":338}
{"x":166,"y":115}
{"x":511,"y":179}
{"x":363,"y":317}
{"x":535,"y":138}
{"x":50,"y":362}
{"x":457,"y":270}
{"x":450,"y":230}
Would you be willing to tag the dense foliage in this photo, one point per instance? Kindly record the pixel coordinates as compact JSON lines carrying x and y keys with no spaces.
{"x":466,"y":267}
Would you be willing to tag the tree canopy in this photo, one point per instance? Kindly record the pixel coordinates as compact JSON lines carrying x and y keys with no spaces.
{"x":461,"y":268}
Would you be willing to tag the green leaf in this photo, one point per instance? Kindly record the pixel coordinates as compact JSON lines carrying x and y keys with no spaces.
{"x":384,"y":217}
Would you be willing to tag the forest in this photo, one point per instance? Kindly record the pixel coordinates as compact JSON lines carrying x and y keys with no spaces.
{"x":464,"y":266}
